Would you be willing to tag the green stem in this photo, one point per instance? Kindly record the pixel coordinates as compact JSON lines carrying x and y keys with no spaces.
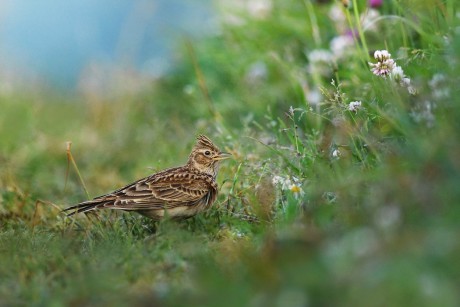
{"x":314,"y":22}
{"x":360,"y":29}
{"x":74,"y":164}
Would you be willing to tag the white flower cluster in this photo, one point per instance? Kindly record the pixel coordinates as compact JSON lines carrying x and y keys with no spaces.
{"x":439,"y":87}
{"x":287,"y":184}
{"x":386,"y":66}
{"x":342,"y":46}
{"x":320,"y":62}
{"x":354,"y":106}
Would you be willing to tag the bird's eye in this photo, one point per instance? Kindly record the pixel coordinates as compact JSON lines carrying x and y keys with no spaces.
{"x":207,"y":153}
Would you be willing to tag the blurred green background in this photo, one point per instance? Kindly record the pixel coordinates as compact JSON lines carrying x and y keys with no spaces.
{"x":323,"y":204}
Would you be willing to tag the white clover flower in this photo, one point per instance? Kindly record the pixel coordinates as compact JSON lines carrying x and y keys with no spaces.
{"x":338,"y":17}
{"x":341,"y":46}
{"x":354,"y":106}
{"x":423,"y":113}
{"x":405,"y":82}
{"x":397,"y":73}
{"x":368,"y":19}
{"x":383,"y":68}
{"x":382,"y":55}
{"x":385,"y":64}
{"x":336,"y":14}
{"x":320,"y":61}
{"x":438,"y":86}
{"x":320,"y":55}
{"x":437,"y":80}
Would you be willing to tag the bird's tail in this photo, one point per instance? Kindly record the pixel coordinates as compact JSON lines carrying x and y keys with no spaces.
{"x":85,"y":207}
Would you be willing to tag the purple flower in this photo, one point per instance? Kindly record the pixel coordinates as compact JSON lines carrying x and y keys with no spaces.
{"x":375,"y":3}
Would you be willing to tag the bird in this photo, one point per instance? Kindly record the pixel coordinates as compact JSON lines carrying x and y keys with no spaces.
{"x":177,"y":193}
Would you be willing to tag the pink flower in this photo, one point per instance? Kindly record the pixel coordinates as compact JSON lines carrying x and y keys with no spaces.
{"x":385,"y":64}
{"x":375,"y":3}
{"x":383,"y":68}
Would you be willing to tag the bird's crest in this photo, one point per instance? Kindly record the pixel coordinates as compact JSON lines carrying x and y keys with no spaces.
{"x":204,"y":142}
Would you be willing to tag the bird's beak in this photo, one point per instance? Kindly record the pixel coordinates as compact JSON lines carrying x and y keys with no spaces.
{"x":222,"y":156}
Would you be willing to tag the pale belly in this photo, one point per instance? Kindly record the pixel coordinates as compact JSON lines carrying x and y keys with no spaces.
{"x":177,"y":213}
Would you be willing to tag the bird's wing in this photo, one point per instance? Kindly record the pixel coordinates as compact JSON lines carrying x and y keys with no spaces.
{"x":160,"y":192}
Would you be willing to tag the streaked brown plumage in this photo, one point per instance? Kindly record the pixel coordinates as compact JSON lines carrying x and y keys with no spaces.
{"x":179,"y":192}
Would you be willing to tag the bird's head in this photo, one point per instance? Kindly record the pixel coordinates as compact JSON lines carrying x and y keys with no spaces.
{"x":205,"y":156}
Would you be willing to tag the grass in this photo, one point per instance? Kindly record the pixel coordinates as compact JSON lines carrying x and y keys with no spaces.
{"x":365,"y":208}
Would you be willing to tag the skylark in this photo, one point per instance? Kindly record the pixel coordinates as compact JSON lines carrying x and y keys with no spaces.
{"x":179,"y":192}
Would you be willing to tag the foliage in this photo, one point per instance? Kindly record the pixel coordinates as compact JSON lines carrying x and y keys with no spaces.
{"x":343,"y":189}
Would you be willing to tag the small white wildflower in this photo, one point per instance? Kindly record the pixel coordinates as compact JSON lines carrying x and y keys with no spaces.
{"x":238,"y":234}
{"x":341,"y":46}
{"x":386,"y":66}
{"x":336,"y":14}
{"x":287,"y":184}
{"x":397,"y":73}
{"x":257,"y":72}
{"x":338,"y":17}
{"x":422,"y":113}
{"x":336,"y":154}
{"x":382,"y":68}
{"x":438,"y":86}
{"x":354,"y":106}
{"x":284,"y":183}
{"x":320,"y":61}
{"x":437,"y":80}
{"x":382,"y":55}
{"x":296,"y":190}
{"x":412,"y":90}
{"x":320,"y":55}
{"x":405,"y":82}
{"x":314,"y":97}
{"x":368,"y":19}
{"x":277,"y":180}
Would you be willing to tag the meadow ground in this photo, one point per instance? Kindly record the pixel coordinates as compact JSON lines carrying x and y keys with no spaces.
{"x":343,"y":190}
